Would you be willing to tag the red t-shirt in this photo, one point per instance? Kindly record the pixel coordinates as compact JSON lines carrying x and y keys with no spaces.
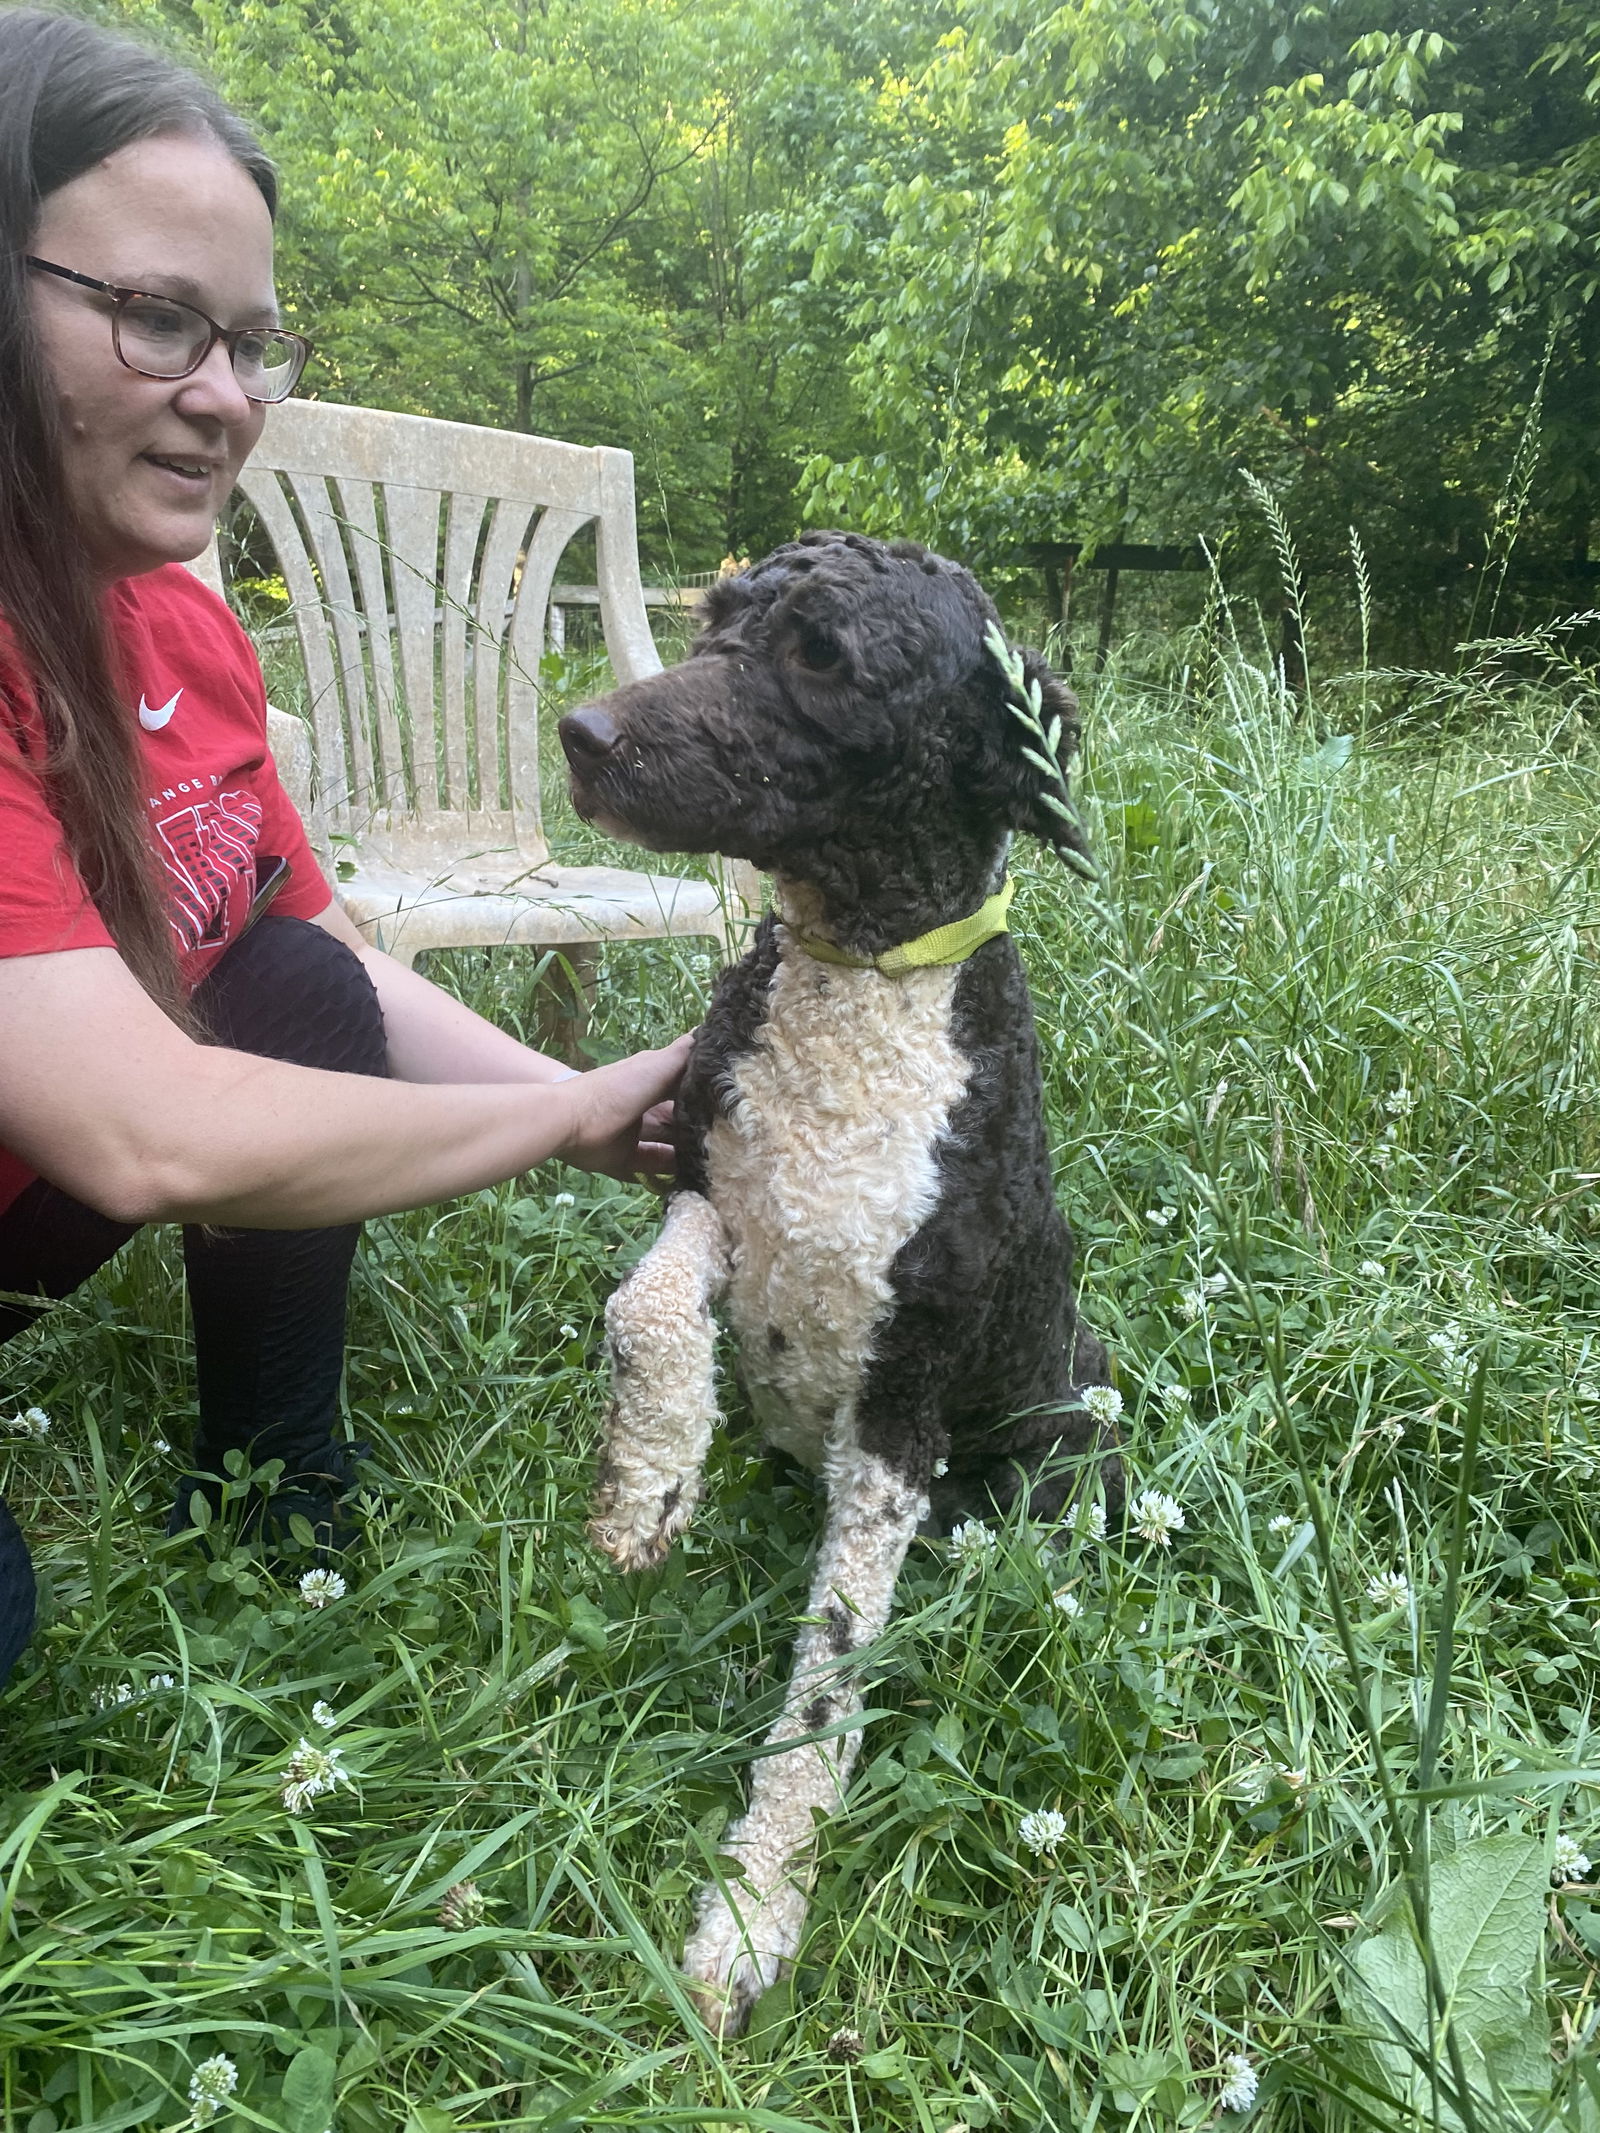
{"x":194,"y":683}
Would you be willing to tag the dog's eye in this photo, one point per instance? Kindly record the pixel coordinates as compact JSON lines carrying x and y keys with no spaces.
{"x":816,"y":651}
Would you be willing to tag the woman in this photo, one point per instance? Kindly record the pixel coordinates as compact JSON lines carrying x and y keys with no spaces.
{"x":168,"y":1053}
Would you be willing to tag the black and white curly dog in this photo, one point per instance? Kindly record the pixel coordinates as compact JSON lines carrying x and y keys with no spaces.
{"x":864,"y":1175}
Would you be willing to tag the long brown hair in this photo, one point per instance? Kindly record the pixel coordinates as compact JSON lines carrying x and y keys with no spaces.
{"x":71,"y":95}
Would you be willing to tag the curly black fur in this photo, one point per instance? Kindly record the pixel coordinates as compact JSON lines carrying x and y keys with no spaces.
{"x":841,"y":723}
{"x":984,"y":1360}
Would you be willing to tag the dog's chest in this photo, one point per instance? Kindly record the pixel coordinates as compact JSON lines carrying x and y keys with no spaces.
{"x":825,"y":1165}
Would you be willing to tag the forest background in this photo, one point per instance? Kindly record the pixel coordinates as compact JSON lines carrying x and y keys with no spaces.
{"x":980,"y":271}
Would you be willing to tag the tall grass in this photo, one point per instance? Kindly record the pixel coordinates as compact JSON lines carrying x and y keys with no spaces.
{"x":1320,"y":1062}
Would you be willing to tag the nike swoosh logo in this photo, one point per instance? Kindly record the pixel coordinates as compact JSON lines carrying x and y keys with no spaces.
{"x":153,"y":721}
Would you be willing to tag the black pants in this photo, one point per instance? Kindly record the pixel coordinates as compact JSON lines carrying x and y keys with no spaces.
{"x":268,"y":1305}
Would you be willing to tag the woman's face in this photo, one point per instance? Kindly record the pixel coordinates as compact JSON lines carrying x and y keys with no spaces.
{"x":150,"y":461}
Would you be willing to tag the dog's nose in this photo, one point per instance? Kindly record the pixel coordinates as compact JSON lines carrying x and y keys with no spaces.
{"x":588,"y":734}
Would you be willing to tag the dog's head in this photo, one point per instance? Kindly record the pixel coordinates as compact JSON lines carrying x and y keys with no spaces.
{"x":839,"y":699}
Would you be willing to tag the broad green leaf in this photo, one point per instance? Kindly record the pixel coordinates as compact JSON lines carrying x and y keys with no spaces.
{"x":1486,"y":1927}
{"x":308,"y":2091}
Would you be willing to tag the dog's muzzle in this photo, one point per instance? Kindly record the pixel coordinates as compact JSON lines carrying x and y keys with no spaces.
{"x":588,"y":736}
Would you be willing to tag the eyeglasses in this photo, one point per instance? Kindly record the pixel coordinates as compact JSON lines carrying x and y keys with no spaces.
{"x":161,"y":338}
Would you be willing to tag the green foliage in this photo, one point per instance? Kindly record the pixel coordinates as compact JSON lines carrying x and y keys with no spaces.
{"x":1486,"y":1912}
{"x":1107,"y":254}
{"x":983,"y":272}
{"x":560,"y":218}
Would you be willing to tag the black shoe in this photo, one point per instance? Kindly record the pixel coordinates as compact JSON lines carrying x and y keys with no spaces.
{"x":18,"y":1595}
{"x":267,"y":1501}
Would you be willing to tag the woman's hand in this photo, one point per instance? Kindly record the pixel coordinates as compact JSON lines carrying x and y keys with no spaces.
{"x":625,"y":1115}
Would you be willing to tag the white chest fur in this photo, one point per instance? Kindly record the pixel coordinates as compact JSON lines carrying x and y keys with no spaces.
{"x":824,"y":1168}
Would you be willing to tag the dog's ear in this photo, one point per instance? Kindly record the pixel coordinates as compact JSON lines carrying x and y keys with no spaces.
{"x":1016,"y":768}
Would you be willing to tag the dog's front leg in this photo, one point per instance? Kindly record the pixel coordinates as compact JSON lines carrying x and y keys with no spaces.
{"x":661,"y":1337}
{"x":747,"y":1934}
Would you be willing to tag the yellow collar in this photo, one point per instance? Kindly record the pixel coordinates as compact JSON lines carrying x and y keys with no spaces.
{"x":929,"y":951}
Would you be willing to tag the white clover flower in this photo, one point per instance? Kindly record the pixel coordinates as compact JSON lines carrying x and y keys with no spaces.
{"x":309,"y":1773}
{"x":160,"y":1681}
{"x":114,"y":1696}
{"x":1159,"y":1217}
{"x":32,"y":1422}
{"x":463,"y":1907}
{"x":1090,"y":1521}
{"x":1283,"y":1523}
{"x":568,"y":1333}
{"x":1250,"y":1787}
{"x":1449,"y":1344}
{"x":972,"y":1541}
{"x":1067,"y":1603}
{"x":1238,"y":2090}
{"x":210,"y":2085}
{"x":1042,"y":1830}
{"x":1296,"y":1780}
{"x":1568,"y":1862}
{"x":1389,"y":1589}
{"x":1393,"y":1427}
{"x":563,"y":1199}
{"x":1175,"y":1398}
{"x":1102,"y":1403}
{"x":160,"y":1444}
{"x":1156,"y":1517}
{"x":324,"y":1715}
{"x":1192,"y":1303}
{"x":1373,"y":1269}
{"x":318,"y":1587}
{"x":1399,"y":1101}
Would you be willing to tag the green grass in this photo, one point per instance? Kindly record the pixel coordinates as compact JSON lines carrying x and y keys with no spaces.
{"x":1333,"y":1037}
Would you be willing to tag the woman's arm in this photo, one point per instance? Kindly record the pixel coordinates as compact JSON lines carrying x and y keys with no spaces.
{"x":107,"y":1098}
{"x":432,"y":1037}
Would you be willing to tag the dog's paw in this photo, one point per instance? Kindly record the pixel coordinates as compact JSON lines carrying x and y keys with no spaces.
{"x":731,"y":1960}
{"x":636,"y":1526}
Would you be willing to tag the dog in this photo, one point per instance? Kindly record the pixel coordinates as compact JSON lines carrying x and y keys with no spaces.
{"x":863,"y":1168}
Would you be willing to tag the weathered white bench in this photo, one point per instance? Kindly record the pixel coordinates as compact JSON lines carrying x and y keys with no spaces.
{"x":420,"y":558}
